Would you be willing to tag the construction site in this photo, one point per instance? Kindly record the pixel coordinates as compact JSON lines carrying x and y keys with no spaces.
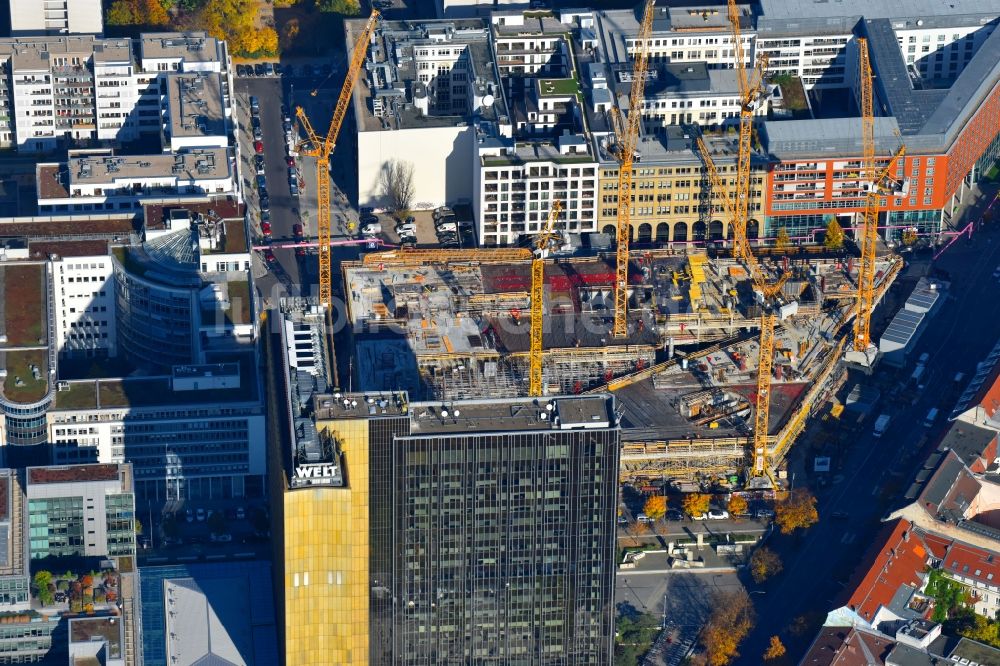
{"x":451,"y":325}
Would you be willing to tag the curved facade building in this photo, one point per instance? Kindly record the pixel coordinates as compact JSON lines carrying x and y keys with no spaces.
{"x":156,"y":297}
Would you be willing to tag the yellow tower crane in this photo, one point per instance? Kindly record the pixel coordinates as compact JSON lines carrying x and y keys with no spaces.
{"x":737,"y":201}
{"x":537,"y":295}
{"x":313,"y":146}
{"x":626,"y":142}
{"x":876,"y":186}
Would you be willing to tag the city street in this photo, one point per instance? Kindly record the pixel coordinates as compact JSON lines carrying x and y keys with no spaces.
{"x":817,"y":565}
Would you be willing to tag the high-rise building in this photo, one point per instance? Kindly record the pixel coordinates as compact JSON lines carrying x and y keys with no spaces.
{"x":428,"y":533}
{"x":55,"y":17}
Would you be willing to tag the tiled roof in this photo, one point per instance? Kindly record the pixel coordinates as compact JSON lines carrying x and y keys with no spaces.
{"x":897,"y":559}
{"x":972,"y":562}
{"x":845,"y":646}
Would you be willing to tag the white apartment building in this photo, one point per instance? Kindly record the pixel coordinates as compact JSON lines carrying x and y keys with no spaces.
{"x":185,"y":439}
{"x":517,"y":183}
{"x":687,"y":93}
{"x":84,"y":305}
{"x":96,"y":90}
{"x":55,"y":17}
{"x":115,"y":183}
{"x":529,"y":46}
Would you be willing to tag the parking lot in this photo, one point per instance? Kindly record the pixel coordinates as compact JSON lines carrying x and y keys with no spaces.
{"x":203,"y":529}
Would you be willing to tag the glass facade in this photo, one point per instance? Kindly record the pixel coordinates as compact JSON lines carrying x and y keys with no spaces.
{"x":26,"y":425}
{"x":27,"y":643}
{"x":501,"y":547}
{"x":57,"y":526}
{"x":156,"y":324}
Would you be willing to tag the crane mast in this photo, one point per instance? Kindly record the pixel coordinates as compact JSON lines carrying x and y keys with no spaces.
{"x":321,"y":150}
{"x":873,"y":184}
{"x":537,"y":294}
{"x":627,"y":143}
{"x":737,"y":201}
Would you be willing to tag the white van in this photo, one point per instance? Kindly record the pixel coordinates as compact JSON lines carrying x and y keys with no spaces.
{"x":931,"y":417}
{"x":881,"y":425}
{"x":372,"y":229}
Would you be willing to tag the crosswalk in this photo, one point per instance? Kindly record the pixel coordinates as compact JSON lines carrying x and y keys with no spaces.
{"x":849,"y":537}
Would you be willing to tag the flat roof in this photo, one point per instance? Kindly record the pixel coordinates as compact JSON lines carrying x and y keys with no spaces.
{"x":198,"y":164}
{"x":188,"y":46}
{"x":72,"y":474}
{"x":36,"y":53}
{"x":195,"y":105}
{"x":519,"y":414}
{"x":390,"y":74}
{"x":108,"y":630}
{"x":826,"y":137}
{"x":893,"y":9}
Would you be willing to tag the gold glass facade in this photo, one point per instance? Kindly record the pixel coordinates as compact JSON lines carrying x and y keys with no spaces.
{"x":326,"y":542}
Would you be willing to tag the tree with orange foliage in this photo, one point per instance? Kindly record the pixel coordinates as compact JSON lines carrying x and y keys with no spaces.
{"x":695,"y":504}
{"x":731,"y":621}
{"x":737,"y":506}
{"x":236,"y":22}
{"x":775,"y":650}
{"x":795,"y":511}
{"x":764,"y":563}
{"x":655,"y":507}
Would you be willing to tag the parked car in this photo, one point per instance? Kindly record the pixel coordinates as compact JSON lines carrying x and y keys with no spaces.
{"x":840,"y":515}
{"x":674,"y":515}
{"x":269,"y":258}
{"x":278,"y":70}
{"x":265,"y":216}
{"x":254,"y":105}
{"x":293,"y":188}
{"x":259,"y":70}
{"x":371,"y":229}
{"x":265,"y":228}
{"x":258,"y":147}
{"x":265,"y":201}
{"x":200,"y":514}
{"x":291,"y":174}
{"x":447,"y":227}
{"x":442,"y":211}
{"x":258,"y":133}
{"x":221,"y":538}
{"x":290,"y":161}
{"x":284,"y":112}
{"x":717,"y":514}
{"x":258,"y":164}
{"x":406,"y":228}
{"x":241,"y":70}
{"x":261,"y":182}
{"x":240,"y":513}
{"x":298,"y":231}
{"x":189,"y":515}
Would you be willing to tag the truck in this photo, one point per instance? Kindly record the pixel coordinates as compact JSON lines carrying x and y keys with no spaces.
{"x":881,"y":425}
{"x":931,"y":417}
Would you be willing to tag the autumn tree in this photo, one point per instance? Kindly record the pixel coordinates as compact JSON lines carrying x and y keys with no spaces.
{"x":235,"y":22}
{"x":655,"y":507}
{"x":731,"y":621}
{"x":795,"y":511}
{"x":695,"y":504}
{"x":781,"y":241}
{"x":775,"y":650}
{"x":909,"y":236}
{"x":834,"y":235}
{"x":764,"y":563}
{"x":137,"y":12}
{"x":737,"y":506}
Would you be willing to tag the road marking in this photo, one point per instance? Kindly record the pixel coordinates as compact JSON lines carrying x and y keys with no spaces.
{"x":848,"y":538}
{"x":876,"y":490}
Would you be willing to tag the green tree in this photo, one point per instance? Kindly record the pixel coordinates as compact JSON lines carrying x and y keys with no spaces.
{"x":834,"y":235}
{"x":348,"y":7}
{"x":138,"y":526}
{"x":781,"y":241}
{"x":764,"y":563}
{"x":42,"y":580}
{"x":655,"y":507}
{"x":634,"y":636}
{"x":122,"y":12}
{"x":948,"y":595}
